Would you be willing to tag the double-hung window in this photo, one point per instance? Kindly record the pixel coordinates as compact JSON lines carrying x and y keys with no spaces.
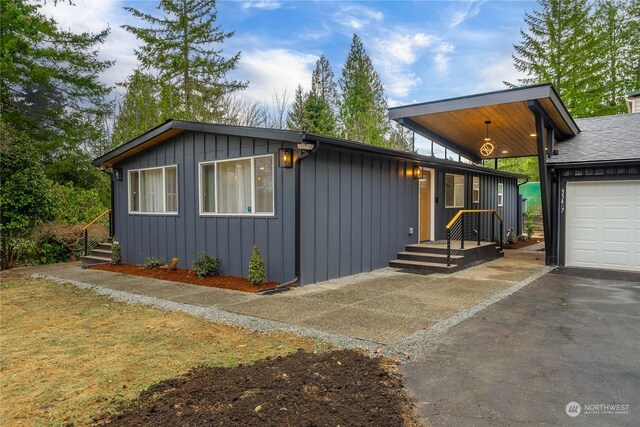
{"x":500,"y":194}
{"x":153,"y":190}
{"x":241,"y":186}
{"x":454,"y":191}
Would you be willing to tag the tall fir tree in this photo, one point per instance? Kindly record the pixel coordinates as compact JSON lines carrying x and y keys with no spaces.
{"x":558,"y":48}
{"x":50,"y":89}
{"x":184,"y":48}
{"x":297,"y":118}
{"x":619,"y":51}
{"x":322,"y":100}
{"x":363,"y":107}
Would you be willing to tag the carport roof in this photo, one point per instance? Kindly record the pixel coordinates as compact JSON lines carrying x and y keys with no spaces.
{"x":459,"y":123}
{"x":602,"y":139}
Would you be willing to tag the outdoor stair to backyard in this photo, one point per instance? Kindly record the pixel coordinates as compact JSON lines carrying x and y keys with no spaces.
{"x":432,"y":257}
{"x":100,"y":255}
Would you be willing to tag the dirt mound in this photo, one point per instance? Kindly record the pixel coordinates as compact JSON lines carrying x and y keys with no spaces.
{"x":340,"y":387}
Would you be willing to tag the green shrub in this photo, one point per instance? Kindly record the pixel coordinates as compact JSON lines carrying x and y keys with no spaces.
{"x":511,"y":236}
{"x":116,"y":253}
{"x":257,"y":275}
{"x":206,"y":265}
{"x":153,"y":263}
{"x":528,"y":224}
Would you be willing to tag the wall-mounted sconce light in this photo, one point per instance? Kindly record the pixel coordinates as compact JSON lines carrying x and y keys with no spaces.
{"x":417,"y":172}
{"x":285,"y":157}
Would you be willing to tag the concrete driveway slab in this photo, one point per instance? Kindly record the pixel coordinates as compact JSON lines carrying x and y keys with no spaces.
{"x":288,"y":310}
{"x":561,"y":339}
{"x":213,"y":297}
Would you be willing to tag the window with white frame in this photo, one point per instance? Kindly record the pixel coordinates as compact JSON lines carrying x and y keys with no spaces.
{"x":454,"y":191}
{"x":500,"y":194}
{"x":153,"y":190}
{"x":241,"y":186}
{"x":476,"y":190}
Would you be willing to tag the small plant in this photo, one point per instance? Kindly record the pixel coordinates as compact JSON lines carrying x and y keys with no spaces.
{"x":523,"y":238}
{"x":206,"y":265}
{"x":257,"y":275}
{"x":174,"y":263}
{"x":153,"y":263}
{"x":116,"y":253}
{"x":528,"y":224}
{"x":511,"y":236}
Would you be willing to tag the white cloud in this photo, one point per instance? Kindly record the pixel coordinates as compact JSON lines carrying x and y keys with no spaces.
{"x":357,"y":17}
{"x":94,"y":17}
{"x":495,"y":71}
{"x":472,"y":9}
{"x":274,"y":70}
{"x":396,"y":53}
{"x":263,"y":4}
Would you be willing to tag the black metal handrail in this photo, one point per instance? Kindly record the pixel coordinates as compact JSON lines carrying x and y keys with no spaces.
{"x":100,"y":231}
{"x":458,"y":221}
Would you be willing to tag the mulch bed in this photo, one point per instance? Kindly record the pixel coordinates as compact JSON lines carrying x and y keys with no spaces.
{"x":186,"y":276}
{"x":341,"y":387}
{"x":519,"y":244}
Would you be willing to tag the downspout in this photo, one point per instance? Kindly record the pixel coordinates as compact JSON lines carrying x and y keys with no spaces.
{"x":298,"y":228}
{"x":519,"y":210}
{"x":112,"y":223}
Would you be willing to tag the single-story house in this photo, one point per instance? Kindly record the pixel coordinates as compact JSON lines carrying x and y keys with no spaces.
{"x":317,"y":207}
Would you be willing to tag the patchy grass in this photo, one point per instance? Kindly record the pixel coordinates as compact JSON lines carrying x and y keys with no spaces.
{"x":69,"y":354}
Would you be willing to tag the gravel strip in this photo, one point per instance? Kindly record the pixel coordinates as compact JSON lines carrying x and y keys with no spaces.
{"x":423,"y":341}
{"x":217,"y":315}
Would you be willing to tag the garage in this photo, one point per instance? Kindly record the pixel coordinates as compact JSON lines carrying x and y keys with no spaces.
{"x":602,"y":224}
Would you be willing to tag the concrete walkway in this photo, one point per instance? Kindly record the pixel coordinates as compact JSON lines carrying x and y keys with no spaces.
{"x":381,"y":308}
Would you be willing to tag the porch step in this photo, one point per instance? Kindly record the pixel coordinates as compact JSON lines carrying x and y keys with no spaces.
{"x":94,"y":259}
{"x":101,"y":252}
{"x":424,"y":266}
{"x":427,"y":256}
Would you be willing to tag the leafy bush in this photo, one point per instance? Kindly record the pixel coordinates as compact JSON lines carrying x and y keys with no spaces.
{"x":528,"y":224}
{"x":511,"y":236}
{"x":153,"y":263}
{"x":206,"y":265}
{"x":116,"y":253}
{"x":523,"y":238}
{"x":76,"y":205}
{"x":256,"y":267}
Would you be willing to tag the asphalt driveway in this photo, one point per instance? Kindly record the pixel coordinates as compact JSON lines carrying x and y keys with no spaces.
{"x":567,"y":337}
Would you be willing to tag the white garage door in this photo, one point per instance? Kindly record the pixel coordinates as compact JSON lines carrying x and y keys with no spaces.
{"x":603,"y":225}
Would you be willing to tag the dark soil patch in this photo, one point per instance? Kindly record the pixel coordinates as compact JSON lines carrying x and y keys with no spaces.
{"x":519,"y":244}
{"x":186,"y":276}
{"x":341,"y":387}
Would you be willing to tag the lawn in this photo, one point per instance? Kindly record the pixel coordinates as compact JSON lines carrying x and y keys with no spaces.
{"x":69,"y":355}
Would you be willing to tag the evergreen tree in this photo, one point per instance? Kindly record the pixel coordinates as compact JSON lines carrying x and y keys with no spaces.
{"x":297,"y":118}
{"x":322,"y":100}
{"x":618,"y":52}
{"x":139,"y":109}
{"x":401,"y":138}
{"x":184,"y":47}
{"x":559,"y":48}
{"x":363,"y":108}
{"x":50,"y":90}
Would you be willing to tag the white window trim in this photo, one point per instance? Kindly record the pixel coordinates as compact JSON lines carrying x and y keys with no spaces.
{"x":454,"y":191}
{"x":164,"y":191}
{"x":476,"y":179}
{"x":253,"y":187}
{"x":500,"y":194}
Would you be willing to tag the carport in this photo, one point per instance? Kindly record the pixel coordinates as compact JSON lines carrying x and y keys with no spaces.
{"x":521,"y":122}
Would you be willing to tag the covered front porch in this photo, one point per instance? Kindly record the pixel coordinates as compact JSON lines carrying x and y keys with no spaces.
{"x":487,"y":127}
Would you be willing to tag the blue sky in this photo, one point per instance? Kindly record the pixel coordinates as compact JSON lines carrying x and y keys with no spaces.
{"x":423,"y":50}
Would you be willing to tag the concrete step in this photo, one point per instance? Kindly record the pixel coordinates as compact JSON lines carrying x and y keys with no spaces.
{"x":423,"y":267}
{"x":101,"y":252}
{"x":105,"y":245}
{"x":427,"y":257}
{"x":437,"y":248}
{"x":93,"y":260}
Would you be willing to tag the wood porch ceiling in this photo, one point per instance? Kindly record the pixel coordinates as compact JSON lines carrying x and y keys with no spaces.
{"x":459,"y":123}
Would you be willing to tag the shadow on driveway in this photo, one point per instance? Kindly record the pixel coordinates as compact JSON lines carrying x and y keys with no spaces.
{"x":568,"y":336}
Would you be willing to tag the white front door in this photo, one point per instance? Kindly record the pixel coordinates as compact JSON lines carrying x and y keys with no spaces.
{"x":603,"y":225}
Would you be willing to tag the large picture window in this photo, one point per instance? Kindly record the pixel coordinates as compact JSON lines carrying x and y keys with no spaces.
{"x":153,"y":190}
{"x":237,"y":187}
{"x":454,"y":191}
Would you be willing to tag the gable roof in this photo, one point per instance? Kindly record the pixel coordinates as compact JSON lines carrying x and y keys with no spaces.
{"x":172,"y":127}
{"x":602,"y":139}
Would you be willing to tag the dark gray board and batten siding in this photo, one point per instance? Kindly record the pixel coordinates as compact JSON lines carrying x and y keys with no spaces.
{"x":187,"y":234}
{"x":356,"y":210}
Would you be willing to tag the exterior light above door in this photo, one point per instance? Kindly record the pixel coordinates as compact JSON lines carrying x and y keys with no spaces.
{"x":417,"y":172}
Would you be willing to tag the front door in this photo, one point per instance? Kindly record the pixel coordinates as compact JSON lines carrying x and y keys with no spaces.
{"x":425,"y":207}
